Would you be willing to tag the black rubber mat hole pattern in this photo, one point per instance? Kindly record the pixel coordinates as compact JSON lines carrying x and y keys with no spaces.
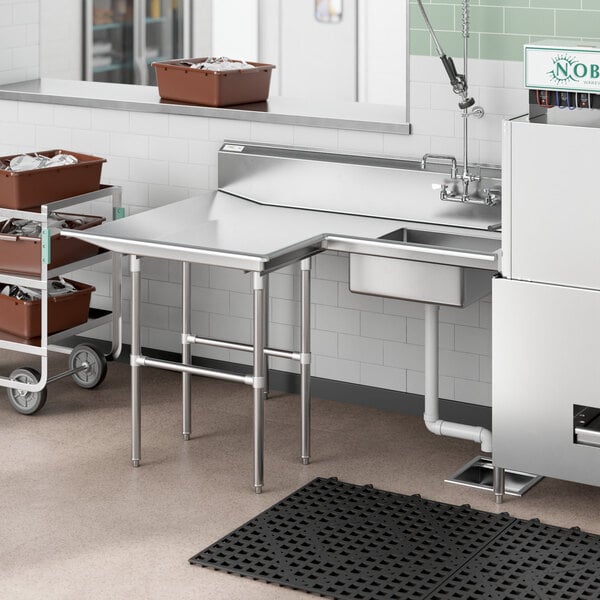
{"x":339,"y":540}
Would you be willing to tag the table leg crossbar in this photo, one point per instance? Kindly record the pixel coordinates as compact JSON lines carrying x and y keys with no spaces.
{"x":258,"y":379}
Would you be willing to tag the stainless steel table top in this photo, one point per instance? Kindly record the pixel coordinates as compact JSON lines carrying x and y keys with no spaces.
{"x":219,"y":229}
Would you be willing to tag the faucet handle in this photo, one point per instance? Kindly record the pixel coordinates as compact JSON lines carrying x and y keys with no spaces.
{"x":493,"y":196}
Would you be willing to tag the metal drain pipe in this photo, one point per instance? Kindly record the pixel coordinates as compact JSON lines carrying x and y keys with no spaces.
{"x":432,"y":400}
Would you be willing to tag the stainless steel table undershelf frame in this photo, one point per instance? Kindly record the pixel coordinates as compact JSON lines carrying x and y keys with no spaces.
{"x":258,"y":379}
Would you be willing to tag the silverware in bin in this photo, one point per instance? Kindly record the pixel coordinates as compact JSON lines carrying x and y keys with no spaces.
{"x":33,"y":229}
{"x":56,"y":287}
{"x":28,"y":162}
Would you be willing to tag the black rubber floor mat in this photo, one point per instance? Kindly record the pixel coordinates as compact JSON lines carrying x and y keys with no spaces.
{"x":341,"y":540}
{"x":530,"y":560}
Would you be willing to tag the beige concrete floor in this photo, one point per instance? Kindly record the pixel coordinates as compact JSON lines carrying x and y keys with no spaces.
{"x":78,"y":522}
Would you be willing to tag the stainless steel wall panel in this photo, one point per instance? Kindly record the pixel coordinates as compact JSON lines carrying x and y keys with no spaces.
{"x":546,"y":352}
{"x":357,"y":185}
{"x":552,"y":228}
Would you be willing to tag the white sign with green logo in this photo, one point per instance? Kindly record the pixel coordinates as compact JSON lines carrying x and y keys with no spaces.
{"x":574,"y":69}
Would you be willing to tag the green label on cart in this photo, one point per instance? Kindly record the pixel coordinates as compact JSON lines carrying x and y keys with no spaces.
{"x":46,"y":252}
{"x":119,"y":213}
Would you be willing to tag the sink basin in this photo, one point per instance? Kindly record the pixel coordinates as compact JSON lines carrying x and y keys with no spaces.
{"x":443,"y":267}
{"x":443,"y":239}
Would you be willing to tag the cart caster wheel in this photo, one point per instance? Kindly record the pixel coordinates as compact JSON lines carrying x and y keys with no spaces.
{"x":26,"y":403}
{"x":94,"y":373}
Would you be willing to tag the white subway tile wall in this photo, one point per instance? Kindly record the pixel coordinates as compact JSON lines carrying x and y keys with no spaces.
{"x":162,"y":158}
{"x":19,"y":40}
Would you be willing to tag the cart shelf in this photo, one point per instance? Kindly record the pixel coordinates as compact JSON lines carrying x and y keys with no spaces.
{"x":26,"y":387}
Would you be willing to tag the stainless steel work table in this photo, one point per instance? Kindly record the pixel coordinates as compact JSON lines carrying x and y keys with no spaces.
{"x":220,"y":229}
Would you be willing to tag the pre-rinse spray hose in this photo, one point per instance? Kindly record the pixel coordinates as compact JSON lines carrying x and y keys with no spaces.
{"x":458,"y":82}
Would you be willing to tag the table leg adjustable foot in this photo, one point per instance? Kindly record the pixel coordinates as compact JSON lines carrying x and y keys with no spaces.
{"x":186,"y":437}
{"x":305,"y":460}
{"x":135,"y":463}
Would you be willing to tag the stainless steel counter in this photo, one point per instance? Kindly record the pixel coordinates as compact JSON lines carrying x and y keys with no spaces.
{"x":278,"y":110}
{"x":220,"y":229}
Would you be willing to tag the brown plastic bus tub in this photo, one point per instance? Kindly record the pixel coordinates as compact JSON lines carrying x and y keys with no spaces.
{"x":29,"y":189}
{"x":178,"y":81}
{"x":21,"y":254}
{"x":23,"y":319}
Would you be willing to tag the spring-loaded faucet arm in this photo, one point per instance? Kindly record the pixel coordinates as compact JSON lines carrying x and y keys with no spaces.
{"x":457,"y":81}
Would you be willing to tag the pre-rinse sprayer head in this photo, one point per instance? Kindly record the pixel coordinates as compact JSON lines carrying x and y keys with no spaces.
{"x":457,"y":81}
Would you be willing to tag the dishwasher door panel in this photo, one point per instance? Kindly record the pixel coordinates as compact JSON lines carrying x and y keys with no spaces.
{"x":555,"y":210}
{"x":546,"y":360}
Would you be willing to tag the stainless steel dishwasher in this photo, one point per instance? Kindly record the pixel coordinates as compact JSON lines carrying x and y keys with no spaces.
{"x":546,"y":309}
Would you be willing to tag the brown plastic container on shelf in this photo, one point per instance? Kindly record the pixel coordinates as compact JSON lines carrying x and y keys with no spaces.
{"x":21,"y":254}
{"x":178,"y":81}
{"x":29,"y":189}
{"x":23,"y":318}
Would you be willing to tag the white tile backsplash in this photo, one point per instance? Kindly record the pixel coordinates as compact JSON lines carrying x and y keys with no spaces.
{"x":361,"y":142}
{"x":35,"y":112}
{"x":183,"y":126}
{"x":184,"y":174}
{"x":148,"y":124}
{"x":47,"y":138}
{"x":340,"y":320}
{"x":77,"y":117}
{"x":361,"y":349}
{"x":19,"y":40}
{"x":383,"y":327}
{"x":383,"y":377}
{"x":149,"y":171}
{"x":91,"y":142}
{"x":129,"y":144}
{"x":403,"y":356}
{"x":110,"y":120}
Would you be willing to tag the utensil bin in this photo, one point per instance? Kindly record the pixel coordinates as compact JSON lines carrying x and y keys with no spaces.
{"x":182,"y":83}
{"x":23,"y":318}
{"x":22,"y":254}
{"x":29,"y":189}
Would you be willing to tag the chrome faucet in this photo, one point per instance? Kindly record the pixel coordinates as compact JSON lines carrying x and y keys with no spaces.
{"x":458,"y":189}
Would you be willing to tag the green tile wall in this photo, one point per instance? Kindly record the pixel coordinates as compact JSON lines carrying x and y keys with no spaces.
{"x":499,"y":28}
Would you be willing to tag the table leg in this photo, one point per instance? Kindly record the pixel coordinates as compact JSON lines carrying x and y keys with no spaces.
{"x":186,"y":351}
{"x":136,"y":421}
{"x":499,"y":484}
{"x":266,"y":331}
{"x":259,"y":380}
{"x":305,"y":359}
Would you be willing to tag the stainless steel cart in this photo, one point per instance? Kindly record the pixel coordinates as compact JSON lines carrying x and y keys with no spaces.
{"x":26,"y":386}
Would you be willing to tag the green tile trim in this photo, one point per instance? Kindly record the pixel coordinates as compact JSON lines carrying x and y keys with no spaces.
{"x":500,"y":28}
